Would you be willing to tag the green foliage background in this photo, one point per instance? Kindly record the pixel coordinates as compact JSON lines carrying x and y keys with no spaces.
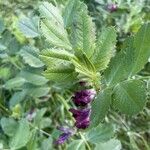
{"x":24,"y":86}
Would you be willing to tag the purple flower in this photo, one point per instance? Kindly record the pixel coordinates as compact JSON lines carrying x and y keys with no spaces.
{"x":82,"y":117}
{"x":112,"y":7}
{"x":83,"y":97}
{"x":83,"y":124}
{"x":67,"y":132}
{"x":31,"y":115}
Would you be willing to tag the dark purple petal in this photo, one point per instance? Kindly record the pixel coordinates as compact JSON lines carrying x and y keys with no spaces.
{"x":80,"y":113}
{"x":83,"y":97}
{"x":82,"y":124}
{"x":62,"y":138}
{"x":82,"y":117}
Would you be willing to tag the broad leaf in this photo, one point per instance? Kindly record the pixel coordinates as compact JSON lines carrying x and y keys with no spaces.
{"x":9,"y":126}
{"x":29,"y":26}
{"x":141,"y":47}
{"x":39,"y":115}
{"x":130,"y":96}
{"x":22,"y":135}
{"x":52,"y":26}
{"x":101,"y":133}
{"x":33,"y":78}
{"x":112,"y":144}
{"x":30,"y":56}
{"x":76,"y":145}
{"x":131,"y":59}
{"x":100,"y":107}
{"x":47,"y":144}
{"x":14,"y":83}
{"x":36,"y":91}
{"x":104,"y":48}
{"x":33,"y":142}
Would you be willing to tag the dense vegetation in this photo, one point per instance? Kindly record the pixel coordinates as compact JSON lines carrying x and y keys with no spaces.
{"x":74,"y":75}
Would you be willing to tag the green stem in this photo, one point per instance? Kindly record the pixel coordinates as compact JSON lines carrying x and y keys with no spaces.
{"x":67,"y":108}
{"x":39,"y":130}
{"x":4,"y":109}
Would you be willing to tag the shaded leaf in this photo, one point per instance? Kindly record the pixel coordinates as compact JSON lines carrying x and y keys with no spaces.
{"x":16,"y":98}
{"x":47,"y":144}
{"x":33,"y":78}
{"x":14,"y":83}
{"x":112,"y":144}
{"x":76,"y":145}
{"x":29,"y":26}
{"x":22,"y":135}
{"x":9,"y":126}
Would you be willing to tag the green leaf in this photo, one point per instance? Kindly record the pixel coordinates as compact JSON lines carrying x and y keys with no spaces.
{"x":52,"y":26}
{"x":30,"y":56}
{"x":101,"y":133}
{"x":39,"y":115}
{"x":60,"y":77}
{"x":14,"y":83}
{"x":33,"y":78}
{"x":130,"y":96}
{"x":9,"y":43}
{"x":100,"y":107}
{"x":45,"y":123}
{"x":2,"y":47}
{"x":29,"y":26}
{"x":9,"y":126}
{"x":141,"y":47}
{"x":47,"y":144}
{"x":104,"y":48}
{"x":83,"y":65}
{"x":83,"y":32}
{"x":70,"y":11}
{"x":5,"y":73}
{"x":36,"y":91}
{"x":131,"y":59}
{"x":33,"y":142}
{"x":22,"y":135}
{"x":2,"y":27}
{"x":55,"y":53}
{"x":112,"y":144}
{"x":16,"y":98}
{"x":76,"y":145}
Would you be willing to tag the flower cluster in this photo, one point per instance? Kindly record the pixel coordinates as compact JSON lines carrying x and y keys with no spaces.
{"x":82,"y":115}
{"x":82,"y":100}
